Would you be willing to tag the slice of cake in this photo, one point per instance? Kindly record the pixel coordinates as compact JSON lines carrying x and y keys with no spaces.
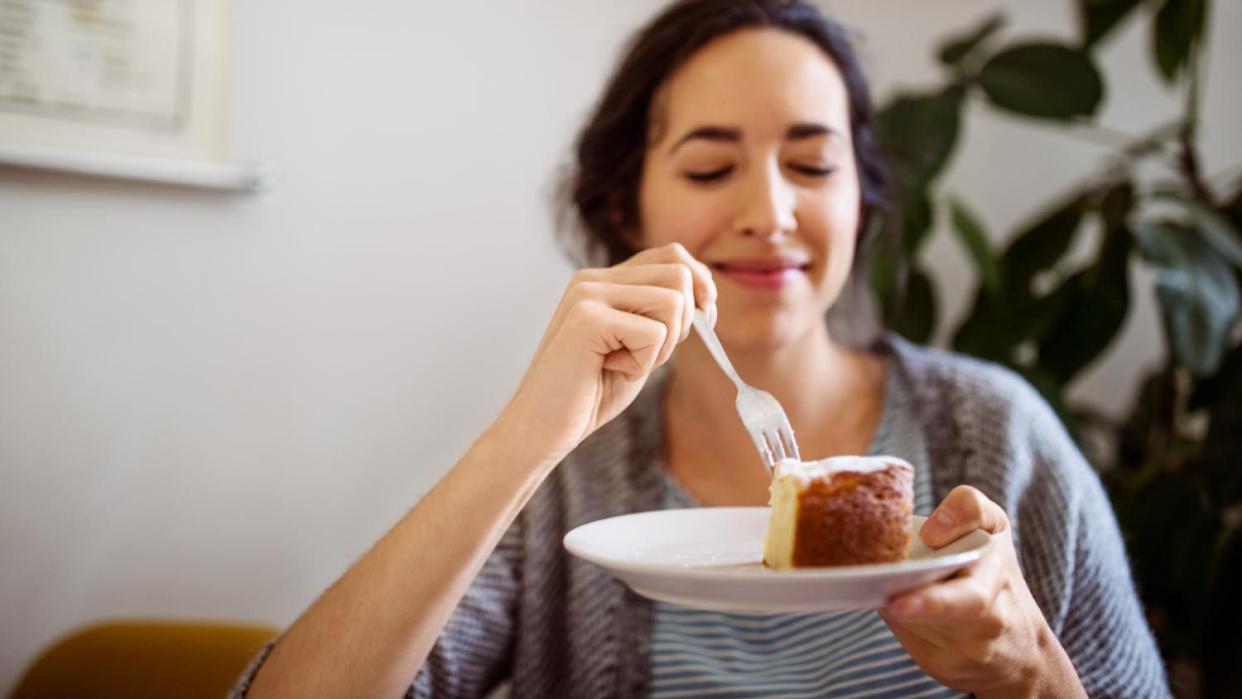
{"x":845,"y":510}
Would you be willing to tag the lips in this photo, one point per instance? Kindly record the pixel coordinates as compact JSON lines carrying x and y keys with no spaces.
{"x":770,"y":273}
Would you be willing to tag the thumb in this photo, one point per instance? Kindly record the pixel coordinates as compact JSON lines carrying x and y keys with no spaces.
{"x":963,"y":511}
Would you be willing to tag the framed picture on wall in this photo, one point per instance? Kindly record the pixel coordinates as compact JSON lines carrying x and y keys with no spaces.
{"x":127,"y":88}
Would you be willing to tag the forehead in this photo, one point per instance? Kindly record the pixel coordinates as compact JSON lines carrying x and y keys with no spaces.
{"x":760,"y":80}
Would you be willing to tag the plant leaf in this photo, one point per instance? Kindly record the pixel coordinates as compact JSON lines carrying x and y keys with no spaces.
{"x":998,"y":323}
{"x":1219,"y":394}
{"x":1174,"y":578}
{"x":978,"y":334}
{"x":916,"y":317}
{"x":1222,"y":646}
{"x":917,"y":133}
{"x":1044,"y":80}
{"x":997,"y":326}
{"x":1098,"y":17}
{"x":952,"y":52}
{"x":1146,"y":432}
{"x":1197,"y":291}
{"x":970,"y":232}
{"x":1221,"y":387}
{"x":917,"y":215}
{"x":1041,"y":246}
{"x":1117,"y":204}
{"x":1233,"y":208}
{"x":897,"y":243}
{"x":1175,"y":32}
{"x":1217,"y":232}
{"x":1099,"y":299}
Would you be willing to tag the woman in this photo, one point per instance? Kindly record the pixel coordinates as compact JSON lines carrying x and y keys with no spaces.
{"x":729,"y":166}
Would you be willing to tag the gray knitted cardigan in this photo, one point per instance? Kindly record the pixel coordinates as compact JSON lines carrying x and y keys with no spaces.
{"x":560,"y":627}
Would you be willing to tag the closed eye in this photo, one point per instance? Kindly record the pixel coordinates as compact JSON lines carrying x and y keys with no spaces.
{"x":812,"y":171}
{"x":710,"y":175}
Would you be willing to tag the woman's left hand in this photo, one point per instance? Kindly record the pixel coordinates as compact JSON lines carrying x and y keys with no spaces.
{"x":981,"y":631}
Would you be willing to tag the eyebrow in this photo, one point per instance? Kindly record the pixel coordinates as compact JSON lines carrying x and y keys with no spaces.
{"x":723,"y":134}
{"x":727,"y":134}
{"x":798,"y":132}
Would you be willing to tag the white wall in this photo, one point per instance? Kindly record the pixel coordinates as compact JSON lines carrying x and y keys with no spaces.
{"x":210,"y":405}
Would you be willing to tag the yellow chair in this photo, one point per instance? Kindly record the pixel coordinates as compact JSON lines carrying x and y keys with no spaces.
{"x":144,"y":659}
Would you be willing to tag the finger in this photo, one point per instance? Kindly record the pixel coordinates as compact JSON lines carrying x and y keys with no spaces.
{"x":629,"y":343}
{"x":655,"y":302}
{"x":672,"y":275}
{"x":913,"y":638}
{"x":951,"y":606}
{"x":704,"y":283}
{"x":963,"y":511}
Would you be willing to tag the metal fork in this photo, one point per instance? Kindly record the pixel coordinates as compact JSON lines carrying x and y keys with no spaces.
{"x":762,"y":415}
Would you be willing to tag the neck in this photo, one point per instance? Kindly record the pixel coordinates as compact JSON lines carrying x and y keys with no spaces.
{"x":809,"y":377}
{"x":830,"y":394}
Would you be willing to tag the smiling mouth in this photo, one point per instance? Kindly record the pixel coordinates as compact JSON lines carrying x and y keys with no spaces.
{"x":764,"y":276}
{"x":751,"y":268}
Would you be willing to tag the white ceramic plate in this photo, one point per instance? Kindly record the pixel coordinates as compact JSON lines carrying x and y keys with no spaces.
{"x":712,"y":558}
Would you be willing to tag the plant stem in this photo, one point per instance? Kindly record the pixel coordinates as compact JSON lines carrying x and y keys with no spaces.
{"x":1101,"y":134}
{"x":1128,"y":146}
{"x":1152,"y":141}
{"x":1189,"y":155}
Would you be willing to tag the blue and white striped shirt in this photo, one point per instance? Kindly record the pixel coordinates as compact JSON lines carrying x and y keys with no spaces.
{"x":697,"y":653}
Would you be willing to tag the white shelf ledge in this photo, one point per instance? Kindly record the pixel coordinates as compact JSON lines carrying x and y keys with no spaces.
{"x":221,"y":176}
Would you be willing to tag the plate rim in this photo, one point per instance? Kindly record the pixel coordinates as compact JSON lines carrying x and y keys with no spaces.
{"x":822,"y":572}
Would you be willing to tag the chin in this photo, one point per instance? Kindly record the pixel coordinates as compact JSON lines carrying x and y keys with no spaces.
{"x":765,"y":329}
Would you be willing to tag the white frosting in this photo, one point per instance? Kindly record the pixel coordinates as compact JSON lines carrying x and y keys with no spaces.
{"x":807,"y":471}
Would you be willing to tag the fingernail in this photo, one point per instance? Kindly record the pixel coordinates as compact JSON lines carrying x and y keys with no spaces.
{"x":945,"y":518}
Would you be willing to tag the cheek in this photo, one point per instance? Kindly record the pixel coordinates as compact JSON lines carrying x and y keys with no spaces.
{"x":669,"y":215}
{"x":845,"y":228}
{"x":833,"y":232}
{"x":835,"y":224}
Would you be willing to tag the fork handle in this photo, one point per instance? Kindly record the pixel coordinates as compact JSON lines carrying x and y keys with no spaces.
{"x":705,"y":331}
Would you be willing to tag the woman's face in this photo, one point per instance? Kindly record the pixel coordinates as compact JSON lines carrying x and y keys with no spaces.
{"x":750,"y":167}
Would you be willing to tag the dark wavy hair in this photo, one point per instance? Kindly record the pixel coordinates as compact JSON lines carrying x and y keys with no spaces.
{"x":598,"y":195}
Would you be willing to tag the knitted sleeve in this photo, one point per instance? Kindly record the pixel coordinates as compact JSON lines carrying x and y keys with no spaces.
{"x":1104,"y":630}
{"x":1070,"y":547}
{"x":989,"y":428}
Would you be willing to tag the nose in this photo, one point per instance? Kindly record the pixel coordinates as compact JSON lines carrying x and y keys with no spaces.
{"x":768,"y":204}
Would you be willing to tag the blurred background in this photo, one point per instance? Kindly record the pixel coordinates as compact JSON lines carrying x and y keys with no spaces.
{"x":212,"y":403}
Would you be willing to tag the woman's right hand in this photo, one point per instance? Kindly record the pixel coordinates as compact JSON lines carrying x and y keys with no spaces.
{"x":612,"y":328}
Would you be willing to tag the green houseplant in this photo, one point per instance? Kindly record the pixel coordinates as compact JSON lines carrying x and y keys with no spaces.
{"x":1173,"y":467}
